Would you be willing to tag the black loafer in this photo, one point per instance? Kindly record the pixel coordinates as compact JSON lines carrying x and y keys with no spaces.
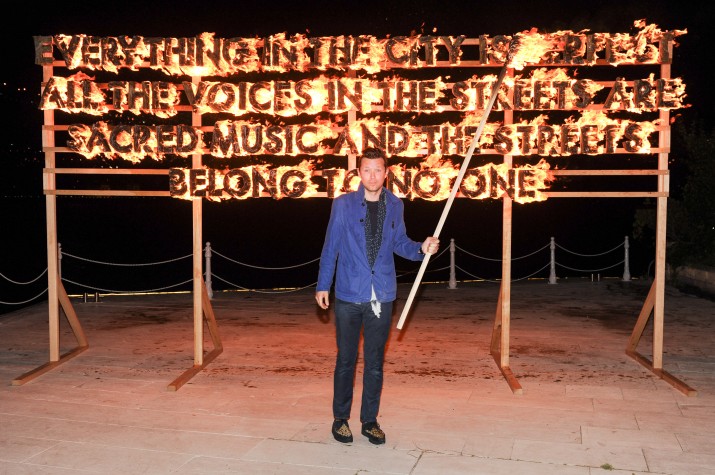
{"x":341,"y":431}
{"x":374,"y":434}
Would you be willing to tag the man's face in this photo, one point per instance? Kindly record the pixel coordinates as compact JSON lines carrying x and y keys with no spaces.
{"x":372,"y":173}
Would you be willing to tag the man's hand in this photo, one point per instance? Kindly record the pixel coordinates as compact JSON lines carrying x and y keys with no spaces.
{"x":323,"y":298}
{"x":431,"y":245}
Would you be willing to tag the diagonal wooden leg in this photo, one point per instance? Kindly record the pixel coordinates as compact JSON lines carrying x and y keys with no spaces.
{"x":82,"y":344}
{"x":215,"y":338}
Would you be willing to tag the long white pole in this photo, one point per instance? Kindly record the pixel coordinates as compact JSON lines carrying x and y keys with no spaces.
{"x":453,"y":193}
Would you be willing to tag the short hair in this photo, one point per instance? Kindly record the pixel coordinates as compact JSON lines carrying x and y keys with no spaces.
{"x":372,"y":153}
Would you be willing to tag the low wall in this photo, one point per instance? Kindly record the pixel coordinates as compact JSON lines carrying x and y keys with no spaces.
{"x":702,"y":278}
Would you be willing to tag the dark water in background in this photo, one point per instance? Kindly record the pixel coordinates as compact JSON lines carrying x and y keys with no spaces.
{"x":268,"y":234}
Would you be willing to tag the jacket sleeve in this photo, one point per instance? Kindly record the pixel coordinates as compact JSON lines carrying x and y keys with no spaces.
{"x":403,"y":246}
{"x":329,"y":255}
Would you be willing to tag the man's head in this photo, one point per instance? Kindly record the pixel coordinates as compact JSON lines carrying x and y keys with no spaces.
{"x":372,"y":154}
{"x":372,"y":169}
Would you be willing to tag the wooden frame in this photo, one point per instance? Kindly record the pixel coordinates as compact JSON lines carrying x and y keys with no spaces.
{"x":500,"y":338}
{"x":654,"y":303}
{"x":56,"y":292}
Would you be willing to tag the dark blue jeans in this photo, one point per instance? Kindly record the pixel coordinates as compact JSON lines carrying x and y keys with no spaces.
{"x":350,"y":318}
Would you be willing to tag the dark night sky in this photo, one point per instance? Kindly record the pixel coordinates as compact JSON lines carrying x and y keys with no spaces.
{"x":253,"y":231}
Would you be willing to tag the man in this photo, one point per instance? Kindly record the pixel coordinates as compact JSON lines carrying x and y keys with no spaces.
{"x":365,"y":229}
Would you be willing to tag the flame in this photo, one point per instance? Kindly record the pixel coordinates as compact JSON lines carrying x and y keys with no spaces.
{"x":232,"y":182}
{"x":79,"y":93}
{"x":298,"y":43}
{"x":76,"y":83}
{"x":131,"y":143}
{"x":592,"y":132}
{"x":641,"y":132}
{"x":241,"y":138}
{"x":546,"y":79}
{"x":626,"y":48}
{"x":492,"y":181}
{"x":206,"y":55}
{"x":93,"y":148}
{"x":240,"y":183}
{"x":371,"y":57}
{"x":529,"y":47}
{"x":544,"y":89}
{"x":288,"y":175}
{"x":523,"y":184}
{"x":318,"y":95}
{"x":439,"y":178}
{"x":246,"y":57}
{"x":368,"y":53}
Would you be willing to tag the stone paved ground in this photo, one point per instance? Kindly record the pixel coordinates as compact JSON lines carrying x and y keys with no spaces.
{"x":263,"y":406}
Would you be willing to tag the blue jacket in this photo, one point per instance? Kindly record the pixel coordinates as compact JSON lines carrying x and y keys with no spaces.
{"x":345,"y":249}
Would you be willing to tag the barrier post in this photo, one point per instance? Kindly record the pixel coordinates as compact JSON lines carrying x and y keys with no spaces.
{"x":207,"y":275}
{"x":452,"y":272}
{"x":626,"y":266}
{"x":552,"y":272}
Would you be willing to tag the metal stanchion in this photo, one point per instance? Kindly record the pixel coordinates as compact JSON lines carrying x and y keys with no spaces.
{"x":552,"y":272}
{"x":207,"y":275}
{"x":452,"y":266}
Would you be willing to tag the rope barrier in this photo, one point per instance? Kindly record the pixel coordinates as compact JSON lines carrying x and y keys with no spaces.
{"x":476,"y":277}
{"x":414,"y":271}
{"x":65,"y":254}
{"x":24,"y":283}
{"x":590,"y":255}
{"x":127,"y":291}
{"x":499,"y":260}
{"x":531,"y":275}
{"x":590,"y":270}
{"x":265,"y":291}
{"x":264,"y":268}
{"x":497,"y":280}
{"x":452,"y":249}
{"x":25,"y":301}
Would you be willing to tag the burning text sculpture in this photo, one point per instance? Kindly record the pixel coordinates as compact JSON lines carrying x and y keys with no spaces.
{"x":307,"y":103}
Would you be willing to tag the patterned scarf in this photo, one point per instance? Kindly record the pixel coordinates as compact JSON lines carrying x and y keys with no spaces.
{"x":373,"y":229}
{"x":373,"y":238}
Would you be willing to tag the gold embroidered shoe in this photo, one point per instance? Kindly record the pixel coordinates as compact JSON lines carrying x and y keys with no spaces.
{"x":374,"y":434}
{"x":341,"y":431}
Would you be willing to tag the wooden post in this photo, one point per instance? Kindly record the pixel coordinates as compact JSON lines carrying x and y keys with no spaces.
{"x":655,"y":302}
{"x":197,"y":221}
{"x":660,"y":240}
{"x":49,"y":184}
{"x":506,"y":259}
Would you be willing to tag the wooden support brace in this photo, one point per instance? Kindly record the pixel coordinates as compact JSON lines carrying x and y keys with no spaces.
{"x":642,"y":320}
{"x":71,"y":315}
{"x":82,"y":344}
{"x":662,"y":374}
{"x":40,"y":370}
{"x":215,"y":338}
{"x":495,"y":350}
{"x":496,"y":330}
{"x":636,"y":335}
{"x":508,"y":375}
